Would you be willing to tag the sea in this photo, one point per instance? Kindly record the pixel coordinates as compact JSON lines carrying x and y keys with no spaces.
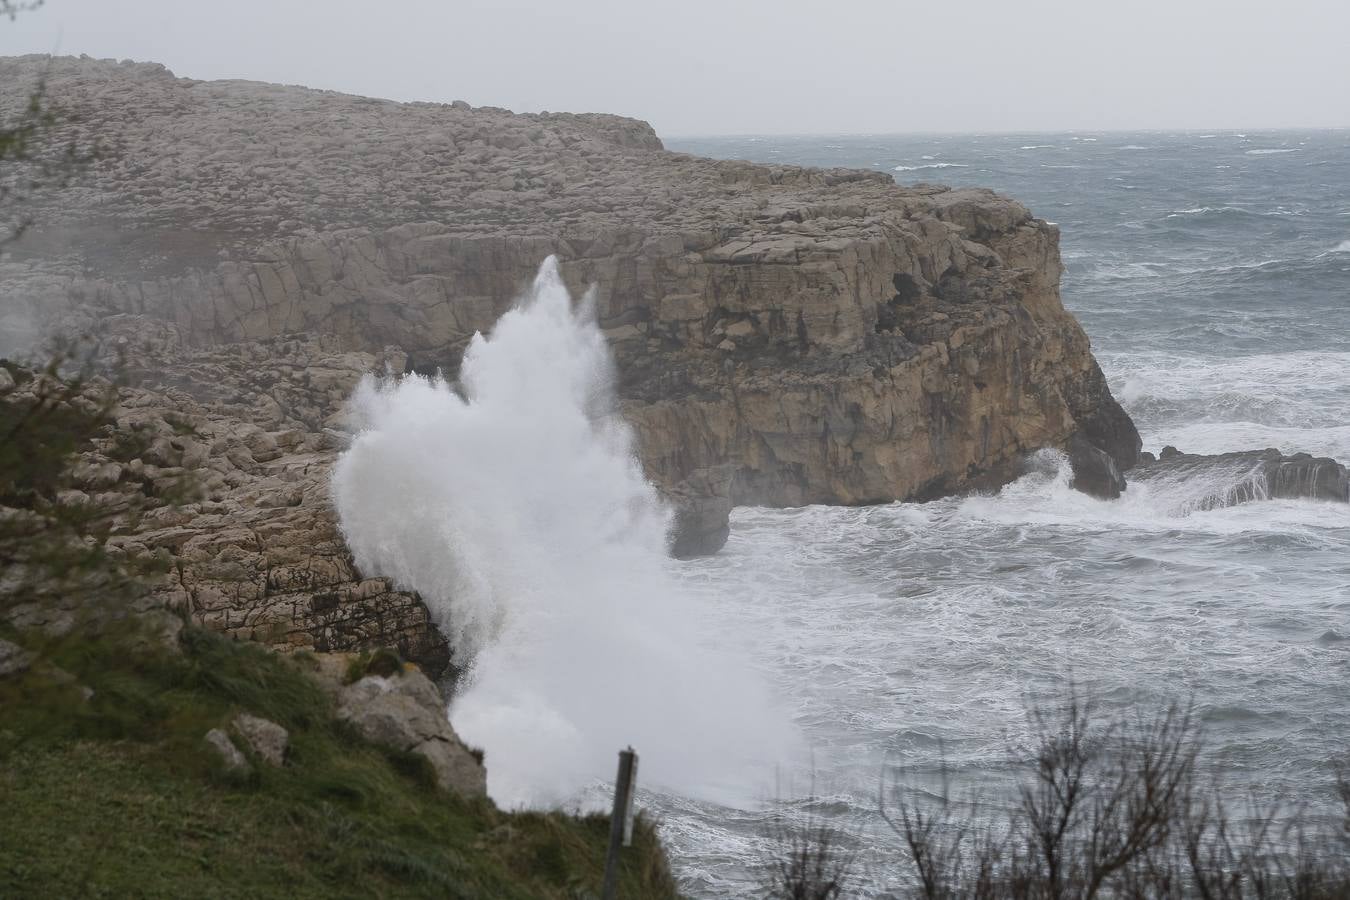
{"x":909,"y":641}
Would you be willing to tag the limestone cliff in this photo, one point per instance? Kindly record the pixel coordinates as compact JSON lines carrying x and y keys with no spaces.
{"x":784,"y":335}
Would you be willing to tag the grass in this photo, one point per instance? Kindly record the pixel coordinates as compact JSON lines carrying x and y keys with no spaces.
{"x":118,"y":796}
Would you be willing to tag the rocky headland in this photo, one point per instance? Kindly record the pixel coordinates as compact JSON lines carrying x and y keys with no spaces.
{"x":784,"y":335}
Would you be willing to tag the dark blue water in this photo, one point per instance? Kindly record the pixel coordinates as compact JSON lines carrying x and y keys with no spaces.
{"x":1212,"y":273}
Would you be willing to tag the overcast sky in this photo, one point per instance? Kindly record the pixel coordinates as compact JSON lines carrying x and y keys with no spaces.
{"x":696,"y":67}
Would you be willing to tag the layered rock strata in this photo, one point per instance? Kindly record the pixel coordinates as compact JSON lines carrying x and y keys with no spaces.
{"x":218,"y":464}
{"x":784,"y":335}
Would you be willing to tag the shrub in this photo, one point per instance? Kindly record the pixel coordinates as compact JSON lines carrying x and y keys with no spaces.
{"x":1103,"y":808}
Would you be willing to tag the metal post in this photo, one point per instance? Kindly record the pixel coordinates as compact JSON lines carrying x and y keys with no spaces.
{"x":620,"y":823}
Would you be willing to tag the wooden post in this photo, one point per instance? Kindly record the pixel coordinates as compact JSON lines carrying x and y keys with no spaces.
{"x":621,"y":822}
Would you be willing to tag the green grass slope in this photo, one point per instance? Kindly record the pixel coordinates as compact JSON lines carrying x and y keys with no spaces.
{"x":117,"y":795}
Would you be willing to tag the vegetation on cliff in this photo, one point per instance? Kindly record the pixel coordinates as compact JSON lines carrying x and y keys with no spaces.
{"x":114,"y":792}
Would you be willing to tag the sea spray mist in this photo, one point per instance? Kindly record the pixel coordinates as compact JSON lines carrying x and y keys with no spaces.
{"x":514,"y":503}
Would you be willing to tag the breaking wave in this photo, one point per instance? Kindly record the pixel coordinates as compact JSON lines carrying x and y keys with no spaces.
{"x":514,"y":504}
{"x":941,"y":165}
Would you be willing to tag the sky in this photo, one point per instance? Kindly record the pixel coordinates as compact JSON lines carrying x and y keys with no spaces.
{"x":705,"y":67}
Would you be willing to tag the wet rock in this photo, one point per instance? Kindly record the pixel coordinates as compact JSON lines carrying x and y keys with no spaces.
{"x":1305,"y":475}
{"x":267,"y":739}
{"x":1094,"y":470}
{"x":1225,"y":479}
{"x":702,"y":505}
{"x":1332,"y":638}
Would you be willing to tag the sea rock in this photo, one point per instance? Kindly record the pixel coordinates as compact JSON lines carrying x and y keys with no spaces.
{"x":1212,"y":481}
{"x":1094,"y":470}
{"x":406,"y":712}
{"x":228,"y":753}
{"x":266,"y":738}
{"x":702,"y":509}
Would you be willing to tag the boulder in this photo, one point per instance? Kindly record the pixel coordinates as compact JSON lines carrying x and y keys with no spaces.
{"x":1094,"y":470}
{"x":406,"y":712}
{"x":702,"y":510}
{"x":230,"y":757}
{"x":267,"y":739}
{"x":1209,"y":481}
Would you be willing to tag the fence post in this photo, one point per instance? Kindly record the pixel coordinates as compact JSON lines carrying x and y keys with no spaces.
{"x":621,"y":822}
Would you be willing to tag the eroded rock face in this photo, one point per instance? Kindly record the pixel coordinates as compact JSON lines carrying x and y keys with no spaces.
{"x":219,"y":465}
{"x":783,"y":335}
{"x":1228,"y":478}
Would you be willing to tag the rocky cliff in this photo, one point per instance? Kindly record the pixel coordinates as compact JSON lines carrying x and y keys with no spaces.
{"x":784,"y":335}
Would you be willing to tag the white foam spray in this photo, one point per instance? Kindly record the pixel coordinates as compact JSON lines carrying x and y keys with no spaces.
{"x":516,"y":506}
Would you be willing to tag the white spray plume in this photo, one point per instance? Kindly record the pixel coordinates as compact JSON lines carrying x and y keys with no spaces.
{"x":521,"y":514}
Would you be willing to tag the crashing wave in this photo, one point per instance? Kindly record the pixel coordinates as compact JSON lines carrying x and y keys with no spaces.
{"x":942,"y":165}
{"x":513,"y":502}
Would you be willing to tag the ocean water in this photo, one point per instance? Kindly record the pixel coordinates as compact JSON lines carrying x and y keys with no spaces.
{"x":1212,"y":272}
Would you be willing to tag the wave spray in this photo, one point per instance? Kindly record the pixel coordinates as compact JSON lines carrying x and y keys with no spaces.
{"x":514,"y":503}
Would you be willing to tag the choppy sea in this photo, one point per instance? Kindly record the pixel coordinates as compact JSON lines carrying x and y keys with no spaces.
{"x":1212,"y":273}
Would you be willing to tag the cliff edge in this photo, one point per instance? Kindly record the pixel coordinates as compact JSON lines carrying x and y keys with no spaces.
{"x":784,"y":335}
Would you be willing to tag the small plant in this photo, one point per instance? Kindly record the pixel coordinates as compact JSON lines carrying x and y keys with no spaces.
{"x":811,"y":862}
{"x":383,"y":662}
{"x":1114,"y":808}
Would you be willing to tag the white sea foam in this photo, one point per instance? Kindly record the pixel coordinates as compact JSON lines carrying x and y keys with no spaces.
{"x":918,"y":632}
{"x":1208,"y":502}
{"x":1224,"y":437}
{"x":942,"y":165}
{"x":1293,"y":401}
{"x":1204,"y":210}
{"x":514,"y":504}
{"x":1273,"y":150}
{"x":1038,"y":147}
